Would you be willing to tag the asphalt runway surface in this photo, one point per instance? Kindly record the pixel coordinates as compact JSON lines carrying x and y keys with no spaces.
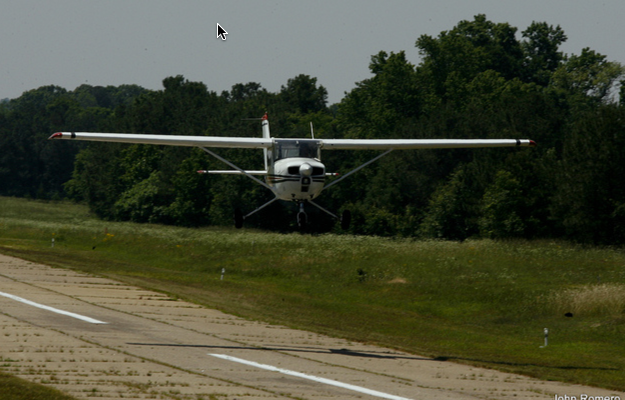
{"x":94,"y":337}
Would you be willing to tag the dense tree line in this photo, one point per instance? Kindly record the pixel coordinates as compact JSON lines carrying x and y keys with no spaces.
{"x":477,"y":80}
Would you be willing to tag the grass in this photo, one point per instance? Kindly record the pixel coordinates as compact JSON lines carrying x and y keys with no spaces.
{"x":587,"y":300}
{"x":13,"y":388}
{"x":479,"y":302}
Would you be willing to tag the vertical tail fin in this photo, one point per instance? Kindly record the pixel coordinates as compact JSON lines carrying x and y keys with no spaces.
{"x":266,"y":135}
{"x":265,"y":124}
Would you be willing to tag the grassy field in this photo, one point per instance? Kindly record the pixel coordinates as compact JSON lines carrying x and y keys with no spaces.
{"x":479,"y":302}
{"x":12,"y":388}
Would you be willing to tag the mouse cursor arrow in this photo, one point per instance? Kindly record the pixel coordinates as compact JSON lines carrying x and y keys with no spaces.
{"x":221,"y":32}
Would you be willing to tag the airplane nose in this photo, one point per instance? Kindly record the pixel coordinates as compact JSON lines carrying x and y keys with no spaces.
{"x":305,"y":169}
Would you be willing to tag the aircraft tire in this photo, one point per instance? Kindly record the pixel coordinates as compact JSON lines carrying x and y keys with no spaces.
{"x":238,"y":218}
{"x":346,"y":219}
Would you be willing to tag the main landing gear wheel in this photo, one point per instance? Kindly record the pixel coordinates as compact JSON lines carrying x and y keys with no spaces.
{"x":238,"y":218}
{"x":346,"y":219}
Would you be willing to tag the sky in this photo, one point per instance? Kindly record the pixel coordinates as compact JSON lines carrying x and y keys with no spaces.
{"x":113,"y":42}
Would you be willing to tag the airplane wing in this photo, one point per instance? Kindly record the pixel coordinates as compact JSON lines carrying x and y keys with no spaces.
{"x":171,"y":140}
{"x":405,"y":144}
{"x":265,"y":143}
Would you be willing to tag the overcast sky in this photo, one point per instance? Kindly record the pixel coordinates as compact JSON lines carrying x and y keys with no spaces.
{"x":113,"y":42}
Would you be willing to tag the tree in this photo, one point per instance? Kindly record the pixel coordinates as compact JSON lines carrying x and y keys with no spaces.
{"x":501,"y":204}
{"x":241,"y":92}
{"x":541,"y":50}
{"x":450,"y":214}
{"x":457,"y":56}
{"x":303,"y":94}
{"x":376,"y":106}
{"x":29,"y":165}
{"x":587,"y":78}
{"x":590,"y":195}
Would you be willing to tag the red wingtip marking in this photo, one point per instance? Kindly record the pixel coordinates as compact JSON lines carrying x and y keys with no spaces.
{"x":265,"y":117}
{"x":533,"y":143}
{"x":56,"y":135}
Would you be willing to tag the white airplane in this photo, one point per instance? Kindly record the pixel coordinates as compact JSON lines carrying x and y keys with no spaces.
{"x":293,"y":169}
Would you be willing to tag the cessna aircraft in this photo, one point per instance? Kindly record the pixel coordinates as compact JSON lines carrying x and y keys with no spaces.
{"x":293,"y":169}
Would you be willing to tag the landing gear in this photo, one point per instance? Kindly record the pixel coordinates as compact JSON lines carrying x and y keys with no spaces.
{"x":302,"y":217}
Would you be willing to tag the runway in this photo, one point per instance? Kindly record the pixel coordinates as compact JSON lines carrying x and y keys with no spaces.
{"x":94,"y":337}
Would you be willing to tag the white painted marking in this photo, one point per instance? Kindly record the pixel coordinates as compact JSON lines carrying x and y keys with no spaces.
{"x":311,"y":377}
{"x":54,"y":310}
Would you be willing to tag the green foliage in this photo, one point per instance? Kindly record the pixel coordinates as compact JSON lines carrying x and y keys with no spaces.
{"x":541,"y":51}
{"x":590,"y":193}
{"x":31,"y":166}
{"x":303,"y":94}
{"x":13,"y":388}
{"x":377,"y":104}
{"x":500,"y":208}
{"x":449,"y":213}
{"x":472,"y":47}
{"x":484,"y":302}
{"x":96,"y":178}
{"x":476,"y":80}
{"x":143,"y":202}
{"x":587,"y":78}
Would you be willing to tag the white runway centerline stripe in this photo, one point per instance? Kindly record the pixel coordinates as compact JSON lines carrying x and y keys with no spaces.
{"x":54,"y":310}
{"x":311,"y":377}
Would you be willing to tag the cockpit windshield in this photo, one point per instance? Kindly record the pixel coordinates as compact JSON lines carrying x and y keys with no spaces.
{"x":296,"y":148}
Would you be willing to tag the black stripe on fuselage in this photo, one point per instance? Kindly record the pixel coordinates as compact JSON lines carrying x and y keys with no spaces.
{"x":292,"y":178}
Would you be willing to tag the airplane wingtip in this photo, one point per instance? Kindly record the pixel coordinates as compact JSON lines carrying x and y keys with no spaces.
{"x":533,"y":143}
{"x":57,"y":135}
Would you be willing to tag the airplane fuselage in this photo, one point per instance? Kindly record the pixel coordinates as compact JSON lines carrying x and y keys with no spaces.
{"x":297,"y":178}
{"x":294,"y":169}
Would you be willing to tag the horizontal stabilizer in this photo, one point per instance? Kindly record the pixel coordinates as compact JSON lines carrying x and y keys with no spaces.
{"x":236,"y":172}
{"x":233,"y":172}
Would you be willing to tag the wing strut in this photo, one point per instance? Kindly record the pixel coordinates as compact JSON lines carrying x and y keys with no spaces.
{"x":246,"y":173}
{"x":324,"y":210}
{"x":261,"y":207}
{"x":356,"y":169}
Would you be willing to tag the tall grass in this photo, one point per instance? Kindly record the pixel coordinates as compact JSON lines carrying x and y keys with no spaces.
{"x":480,"y":301}
{"x":606,"y":300}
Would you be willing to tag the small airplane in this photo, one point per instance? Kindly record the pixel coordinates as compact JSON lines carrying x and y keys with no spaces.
{"x":293,"y":169}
